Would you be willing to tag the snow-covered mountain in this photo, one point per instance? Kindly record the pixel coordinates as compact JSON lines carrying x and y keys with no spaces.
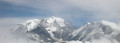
{"x":48,"y":29}
{"x":56,"y":29}
{"x":97,"y":30}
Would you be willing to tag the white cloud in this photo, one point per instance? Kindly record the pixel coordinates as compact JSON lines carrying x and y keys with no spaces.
{"x":6,"y":36}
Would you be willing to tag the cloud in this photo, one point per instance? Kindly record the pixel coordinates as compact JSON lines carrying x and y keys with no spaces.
{"x":5,"y":31}
{"x":93,"y":9}
{"x":7,"y":37}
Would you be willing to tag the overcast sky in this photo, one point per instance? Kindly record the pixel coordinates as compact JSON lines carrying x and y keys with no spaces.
{"x":76,"y":11}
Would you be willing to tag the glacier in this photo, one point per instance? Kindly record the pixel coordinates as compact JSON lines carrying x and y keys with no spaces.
{"x":55,"y":29}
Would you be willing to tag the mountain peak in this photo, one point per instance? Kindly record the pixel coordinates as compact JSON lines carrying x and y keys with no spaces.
{"x":108,"y":23}
{"x":51,"y":22}
{"x":53,"y":19}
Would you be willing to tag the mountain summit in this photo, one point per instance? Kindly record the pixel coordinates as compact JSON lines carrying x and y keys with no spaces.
{"x":56,"y":29}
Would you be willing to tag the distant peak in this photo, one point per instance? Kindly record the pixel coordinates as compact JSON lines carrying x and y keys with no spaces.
{"x":111,"y":24}
{"x":53,"y":19}
{"x":32,"y":20}
{"x":107,"y":22}
{"x":88,"y":23}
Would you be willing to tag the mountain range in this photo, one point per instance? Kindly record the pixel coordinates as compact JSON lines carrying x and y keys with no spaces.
{"x":55,"y":29}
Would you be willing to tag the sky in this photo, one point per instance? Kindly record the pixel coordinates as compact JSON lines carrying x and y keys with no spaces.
{"x":78,"y":12}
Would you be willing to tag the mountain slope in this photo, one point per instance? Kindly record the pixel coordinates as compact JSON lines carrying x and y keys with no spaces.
{"x":96,"y":30}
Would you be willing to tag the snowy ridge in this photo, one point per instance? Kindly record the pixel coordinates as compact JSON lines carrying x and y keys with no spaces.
{"x":56,"y":29}
{"x":31,"y":24}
